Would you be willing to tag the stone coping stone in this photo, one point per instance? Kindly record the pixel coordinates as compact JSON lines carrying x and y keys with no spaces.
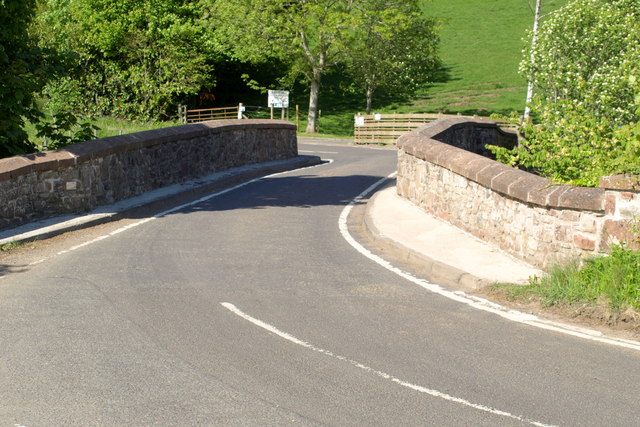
{"x":624,"y":182}
{"x":517,"y":184}
{"x":14,"y":167}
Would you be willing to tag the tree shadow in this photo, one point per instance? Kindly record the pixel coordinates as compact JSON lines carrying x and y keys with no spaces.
{"x":5,"y":269}
{"x":304,"y":192}
{"x":443,"y":74}
{"x":338,"y":88}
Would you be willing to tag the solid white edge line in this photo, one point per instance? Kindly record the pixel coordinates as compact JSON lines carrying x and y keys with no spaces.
{"x":472,"y":301}
{"x":434,"y":393}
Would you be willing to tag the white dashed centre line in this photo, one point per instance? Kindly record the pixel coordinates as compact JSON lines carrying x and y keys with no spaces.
{"x":418,"y":388}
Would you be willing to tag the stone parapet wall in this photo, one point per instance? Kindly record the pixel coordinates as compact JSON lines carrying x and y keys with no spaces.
{"x":523,"y":214}
{"x":83,"y":176}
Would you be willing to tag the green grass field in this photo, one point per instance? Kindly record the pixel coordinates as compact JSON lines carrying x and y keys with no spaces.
{"x":481,"y":47}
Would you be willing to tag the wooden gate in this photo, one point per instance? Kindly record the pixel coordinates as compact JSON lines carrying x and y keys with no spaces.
{"x":195,"y":116}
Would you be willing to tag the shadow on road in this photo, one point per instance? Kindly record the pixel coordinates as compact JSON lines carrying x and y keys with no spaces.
{"x":5,"y":270}
{"x":304,"y":191}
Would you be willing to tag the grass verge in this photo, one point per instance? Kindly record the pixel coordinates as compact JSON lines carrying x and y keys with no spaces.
{"x":607,"y":287}
{"x":11,"y":246}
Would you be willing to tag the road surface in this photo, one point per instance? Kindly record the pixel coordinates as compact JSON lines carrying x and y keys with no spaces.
{"x":251,"y":308}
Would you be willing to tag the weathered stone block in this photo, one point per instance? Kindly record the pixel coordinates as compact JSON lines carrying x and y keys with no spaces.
{"x":587,"y":223}
{"x":542,"y":196}
{"x":630,"y":210}
{"x":563,"y":233}
{"x":619,"y":231}
{"x":610,"y":204}
{"x":581,"y":198}
{"x":488,"y":173}
{"x":616,"y":228}
{"x":548,"y":236}
{"x":621,"y":182}
{"x":570,"y":216}
{"x":504,"y":180}
{"x":584,"y":242}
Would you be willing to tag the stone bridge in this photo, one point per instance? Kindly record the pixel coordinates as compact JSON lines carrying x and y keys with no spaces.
{"x":442,"y":167}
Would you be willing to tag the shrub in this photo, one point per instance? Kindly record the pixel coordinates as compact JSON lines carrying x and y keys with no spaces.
{"x":586,"y":111}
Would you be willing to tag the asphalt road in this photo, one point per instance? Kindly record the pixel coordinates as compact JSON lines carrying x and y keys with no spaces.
{"x":251,"y":308}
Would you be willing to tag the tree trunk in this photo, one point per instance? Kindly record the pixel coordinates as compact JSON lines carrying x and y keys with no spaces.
{"x":313,"y":102}
{"x":369,"y":99}
{"x":534,"y":40}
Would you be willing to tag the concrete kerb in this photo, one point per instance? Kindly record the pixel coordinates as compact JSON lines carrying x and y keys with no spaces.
{"x":433,"y":270}
{"x":174,"y":194}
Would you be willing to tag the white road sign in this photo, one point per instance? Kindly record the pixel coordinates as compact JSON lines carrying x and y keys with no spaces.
{"x":279,"y":98}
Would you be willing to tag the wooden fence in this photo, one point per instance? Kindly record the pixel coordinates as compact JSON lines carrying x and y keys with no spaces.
{"x":387,"y":128}
{"x":195,"y":116}
{"x":240,"y":111}
{"x":369,"y":129}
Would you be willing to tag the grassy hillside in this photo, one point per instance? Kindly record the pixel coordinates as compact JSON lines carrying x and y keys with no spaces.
{"x":481,"y":48}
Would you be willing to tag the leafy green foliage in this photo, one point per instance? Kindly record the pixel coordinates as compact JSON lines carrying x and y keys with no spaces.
{"x":135,"y":58}
{"x":64,"y":129}
{"x":381,"y":43}
{"x":586,"y":114}
{"x":583,"y":55}
{"x":629,"y":137}
{"x":7,"y":247}
{"x":571,"y":145}
{"x":24,"y":70}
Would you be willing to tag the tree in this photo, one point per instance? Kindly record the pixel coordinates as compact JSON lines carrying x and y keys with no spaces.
{"x":580,"y":56}
{"x":135,"y":58}
{"x":393,"y":48}
{"x":308,"y":36}
{"x":24,"y":70}
{"x":585,"y":64}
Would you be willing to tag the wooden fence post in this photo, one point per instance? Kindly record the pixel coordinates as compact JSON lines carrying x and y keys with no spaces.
{"x":240,"y":111}
{"x":182,"y":114}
